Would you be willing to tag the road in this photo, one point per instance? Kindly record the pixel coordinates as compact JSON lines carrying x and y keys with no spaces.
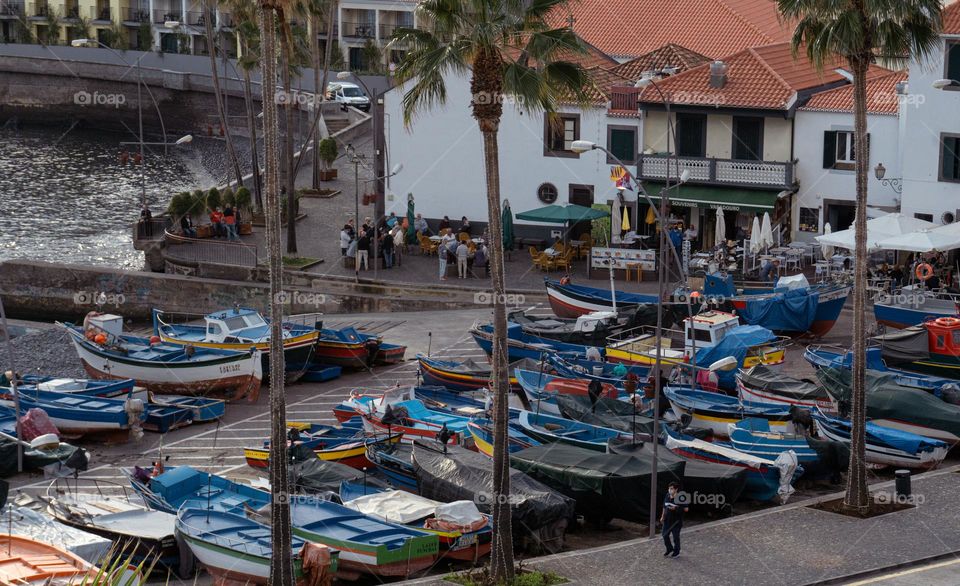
{"x":940,"y":573}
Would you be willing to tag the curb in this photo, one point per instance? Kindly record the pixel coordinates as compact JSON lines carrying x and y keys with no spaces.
{"x":883,"y":569}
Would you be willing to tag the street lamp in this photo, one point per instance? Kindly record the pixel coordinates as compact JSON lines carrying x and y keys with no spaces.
{"x":894,"y":183}
{"x":942,"y":84}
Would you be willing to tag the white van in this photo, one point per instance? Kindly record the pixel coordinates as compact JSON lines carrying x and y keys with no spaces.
{"x":348,"y":94}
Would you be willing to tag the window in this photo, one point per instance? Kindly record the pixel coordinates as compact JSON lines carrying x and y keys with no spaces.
{"x":622,"y":142}
{"x":235,"y":323}
{"x":547,"y":193}
{"x":839,"y":150}
{"x":691,"y":135}
{"x":559,"y":132}
{"x":924,"y":217}
{"x":956,"y":338}
{"x":701,"y":335}
{"x":809,"y":220}
{"x":941,"y":342}
{"x":747,"y":138}
{"x":950,"y":156}
{"x":951,"y":62}
{"x":213,"y":329}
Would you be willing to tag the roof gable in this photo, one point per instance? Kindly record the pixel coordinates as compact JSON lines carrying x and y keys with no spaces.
{"x":669,"y":55}
{"x":882,"y":96}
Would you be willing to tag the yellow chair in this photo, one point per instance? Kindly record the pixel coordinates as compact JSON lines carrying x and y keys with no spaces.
{"x":427,"y":246}
{"x":463,"y":237}
{"x":565,"y":260}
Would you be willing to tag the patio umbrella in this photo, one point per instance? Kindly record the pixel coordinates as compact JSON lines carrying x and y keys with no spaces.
{"x":625,"y":225}
{"x":878,"y":229}
{"x":939,"y":239}
{"x":651,"y":216}
{"x":557,"y":214}
{"x":721,"y":229}
{"x":827,"y":250}
{"x":616,"y":223}
{"x":755,"y":241}
{"x":766,"y":232}
{"x":411,"y":230}
{"x":506,"y":226}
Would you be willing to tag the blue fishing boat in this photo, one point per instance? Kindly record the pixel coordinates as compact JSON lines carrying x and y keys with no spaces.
{"x":394,"y":462}
{"x":542,"y":389}
{"x":78,"y":386}
{"x":766,"y":479}
{"x":202,"y":409}
{"x":753,"y":436}
{"x":716,"y":412}
{"x":546,"y":428}
{"x":77,"y":415}
{"x":345,"y":445}
{"x":399,"y":412}
{"x":831,"y":357}
{"x":366,"y":544}
{"x":237,"y":550}
{"x":912,"y":305}
{"x":521,"y":345}
{"x":886,"y":446}
{"x":482,"y":432}
{"x":463,"y":376}
{"x":605,"y":372}
{"x":572,"y":301}
{"x":314,"y":372}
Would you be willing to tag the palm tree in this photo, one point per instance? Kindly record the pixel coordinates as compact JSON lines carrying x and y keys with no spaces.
{"x":860,"y":32}
{"x":281,"y":562}
{"x":209,"y":12}
{"x":248,"y":35}
{"x":509,"y":50}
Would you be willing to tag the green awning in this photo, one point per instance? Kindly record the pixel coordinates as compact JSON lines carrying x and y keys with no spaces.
{"x":712,"y":197}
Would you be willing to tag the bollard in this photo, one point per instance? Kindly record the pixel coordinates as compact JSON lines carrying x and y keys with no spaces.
{"x":902,"y":484}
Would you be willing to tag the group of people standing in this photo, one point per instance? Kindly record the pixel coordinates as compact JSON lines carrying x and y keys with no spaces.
{"x":225,"y":222}
{"x":388,"y":238}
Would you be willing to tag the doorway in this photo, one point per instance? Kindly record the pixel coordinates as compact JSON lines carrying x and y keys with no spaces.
{"x":839,"y":215}
{"x":581,"y":195}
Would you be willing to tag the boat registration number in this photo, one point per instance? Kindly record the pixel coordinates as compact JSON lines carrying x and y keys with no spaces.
{"x":465,"y":541}
{"x":229,"y":368}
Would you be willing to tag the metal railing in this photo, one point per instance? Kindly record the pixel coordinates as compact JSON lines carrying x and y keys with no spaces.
{"x":387,"y":30}
{"x":358,"y":30}
{"x":219,"y":252}
{"x":225,"y":19}
{"x":40,"y":9}
{"x":719,"y":171}
{"x":197,"y":18}
{"x":322,"y":31}
{"x":152,"y":230}
{"x":11,"y":9}
{"x":136,"y":15}
{"x":101,"y":13}
{"x":71,"y":11}
{"x":163,"y":15}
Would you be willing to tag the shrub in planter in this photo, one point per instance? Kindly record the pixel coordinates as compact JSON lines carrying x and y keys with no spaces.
{"x":228,"y":198}
{"x":242,"y":201}
{"x":328,"y":154}
{"x":213,"y":200}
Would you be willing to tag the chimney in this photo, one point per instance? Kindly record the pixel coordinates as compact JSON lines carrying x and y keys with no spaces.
{"x":718,"y":74}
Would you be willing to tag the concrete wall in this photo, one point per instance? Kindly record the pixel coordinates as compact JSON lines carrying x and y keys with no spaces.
{"x":776,"y":136}
{"x":36,"y":290}
{"x":777,"y":139}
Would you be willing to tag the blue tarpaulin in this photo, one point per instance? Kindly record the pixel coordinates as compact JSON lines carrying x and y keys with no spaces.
{"x":736,"y":343}
{"x":789,"y":311}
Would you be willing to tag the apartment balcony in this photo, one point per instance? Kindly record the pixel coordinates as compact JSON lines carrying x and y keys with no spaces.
{"x":136,"y":16}
{"x":225,"y":20}
{"x":101,"y":13}
{"x":358,"y":30}
{"x":387,"y":30}
{"x":40,"y":10}
{"x":11,"y":10}
{"x":166,"y":15}
{"x":71,"y":11}
{"x":623,"y":101}
{"x":719,"y":172}
{"x":198,"y":18}
{"x":322,"y":30}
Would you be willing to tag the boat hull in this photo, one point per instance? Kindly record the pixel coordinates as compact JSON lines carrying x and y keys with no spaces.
{"x":569,"y":303}
{"x":762,"y":396}
{"x":883,"y":456}
{"x":353,"y":454}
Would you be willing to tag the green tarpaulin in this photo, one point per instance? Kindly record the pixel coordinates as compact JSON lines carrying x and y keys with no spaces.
{"x":725,"y":198}
{"x":557,"y":214}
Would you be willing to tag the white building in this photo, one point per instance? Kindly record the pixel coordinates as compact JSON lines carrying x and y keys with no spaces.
{"x":823,"y":142}
{"x":931,"y":130}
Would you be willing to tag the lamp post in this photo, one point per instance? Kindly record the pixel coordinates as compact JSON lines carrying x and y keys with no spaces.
{"x":356,"y":158}
{"x":894,"y":183}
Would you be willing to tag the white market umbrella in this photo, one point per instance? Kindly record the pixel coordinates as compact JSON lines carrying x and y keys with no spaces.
{"x":766,"y":232}
{"x":721,"y":229}
{"x":878,"y":229}
{"x":924,"y":240}
{"x":827,"y":249}
{"x":755,"y":241}
{"x":616,"y":222}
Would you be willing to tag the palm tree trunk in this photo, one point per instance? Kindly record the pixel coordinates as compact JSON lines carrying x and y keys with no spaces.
{"x":857,"y":496}
{"x":252,"y":127}
{"x":281,"y":562}
{"x":290,"y":179}
{"x":328,"y":46}
{"x":501,"y":556}
{"x":208,"y":16}
{"x":317,"y":92}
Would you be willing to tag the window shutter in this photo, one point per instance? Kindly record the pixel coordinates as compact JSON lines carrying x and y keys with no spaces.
{"x":829,"y":149}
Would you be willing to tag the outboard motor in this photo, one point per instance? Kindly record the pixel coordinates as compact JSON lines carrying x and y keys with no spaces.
{"x":594,"y":390}
{"x":372,"y":347}
{"x":444,"y":436}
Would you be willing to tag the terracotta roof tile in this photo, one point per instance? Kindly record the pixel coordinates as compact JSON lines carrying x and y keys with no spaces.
{"x":762,"y":77}
{"x":951,"y":19}
{"x":630,"y":28}
{"x":881,"y":96}
{"x":604,"y":80}
{"x":670,"y":55}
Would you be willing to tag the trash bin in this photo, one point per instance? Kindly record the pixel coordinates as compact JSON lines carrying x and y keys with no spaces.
{"x":902,"y":484}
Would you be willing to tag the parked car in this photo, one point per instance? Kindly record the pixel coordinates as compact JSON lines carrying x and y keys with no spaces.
{"x":348,"y":94}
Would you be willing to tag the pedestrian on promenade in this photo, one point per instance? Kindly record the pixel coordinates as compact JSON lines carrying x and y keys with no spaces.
{"x":186,"y":226}
{"x":399,"y":236}
{"x":463,"y":253}
{"x":386,"y":246}
{"x":146,"y":220}
{"x":345,"y":238}
{"x":230,"y":221}
{"x":216,"y":221}
{"x":442,"y":253}
{"x":363,"y":250}
{"x":674,"y":506}
{"x":444,"y":224}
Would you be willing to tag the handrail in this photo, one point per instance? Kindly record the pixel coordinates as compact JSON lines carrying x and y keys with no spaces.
{"x":224,"y":251}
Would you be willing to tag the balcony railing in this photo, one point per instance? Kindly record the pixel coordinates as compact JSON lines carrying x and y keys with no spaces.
{"x":763,"y":174}
{"x":322,"y":31}
{"x":358,"y":30}
{"x":11,"y":9}
{"x":623,"y":100}
{"x":136,"y":15}
{"x":100,"y":13}
{"x":40,"y":9}
{"x":387,"y":30}
{"x":197,"y":18}
{"x":163,"y":15}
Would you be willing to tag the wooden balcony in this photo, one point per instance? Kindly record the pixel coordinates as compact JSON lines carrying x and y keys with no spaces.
{"x":725,"y":172}
{"x":623,"y":101}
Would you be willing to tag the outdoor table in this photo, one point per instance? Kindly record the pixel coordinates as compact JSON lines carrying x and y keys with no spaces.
{"x":436,"y":238}
{"x":551,"y":252}
{"x":779,"y":250}
{"x":477,"y":240}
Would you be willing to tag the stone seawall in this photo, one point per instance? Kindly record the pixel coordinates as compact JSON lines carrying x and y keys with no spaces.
{"x":37,"y":290}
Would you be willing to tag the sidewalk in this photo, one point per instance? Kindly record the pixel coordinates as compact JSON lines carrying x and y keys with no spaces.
{"x":784,"y":546}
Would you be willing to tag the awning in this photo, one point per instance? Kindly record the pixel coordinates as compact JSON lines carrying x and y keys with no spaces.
{"x":710,"y":197}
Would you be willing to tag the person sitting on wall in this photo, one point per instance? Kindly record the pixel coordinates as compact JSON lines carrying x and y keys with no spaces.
{"x":465,"y":225}
{"x":421,"y":226}
{"x":444,"y":224}
{"x":186,"y":226}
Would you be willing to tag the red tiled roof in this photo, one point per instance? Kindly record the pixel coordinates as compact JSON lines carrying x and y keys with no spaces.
{"x":951,"y":19}
{"x":763,"y":77}
{"x":603,"y":80}
{"x":881,"y":96}
{"x":630,"y":28}
{"x":669,"y":55}
{"x":593,"y":57}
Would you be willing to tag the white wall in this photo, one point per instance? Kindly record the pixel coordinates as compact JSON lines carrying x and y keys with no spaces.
{"x":927,"y":113}
{"x":818,"y":184}
{"x":442,"y":157}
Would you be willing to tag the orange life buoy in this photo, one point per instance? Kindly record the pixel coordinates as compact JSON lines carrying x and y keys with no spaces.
{"x":100,"y":339}
{"x":924,"y":271}
{"x":947,"y":321}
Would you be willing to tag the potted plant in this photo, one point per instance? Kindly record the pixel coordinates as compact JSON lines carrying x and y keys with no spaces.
{"x":178,"y":207}
{"x":242,"y":201}
{"x":328,"y":154}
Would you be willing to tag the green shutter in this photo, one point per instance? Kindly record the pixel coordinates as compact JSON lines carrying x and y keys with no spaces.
{"x":829,"y":149}
{"x":621,"y":144}
{"x":953,"y":61}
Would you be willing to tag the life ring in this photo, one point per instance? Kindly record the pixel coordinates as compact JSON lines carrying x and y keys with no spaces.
{"x":565,"y":280}
{"x":947,"y":321}
{"x":924,"y":271}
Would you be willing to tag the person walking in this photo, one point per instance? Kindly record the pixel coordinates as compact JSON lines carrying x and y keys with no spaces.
{"x":399,"y":244}
{"x":674,"y":506}
{"x":363,"y":250}
{"x":345,"y":239}
{"x":463,"y":253}
{"x":386,"y":247}
{"x":442,"y":253}
{"x":230,"y":221}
